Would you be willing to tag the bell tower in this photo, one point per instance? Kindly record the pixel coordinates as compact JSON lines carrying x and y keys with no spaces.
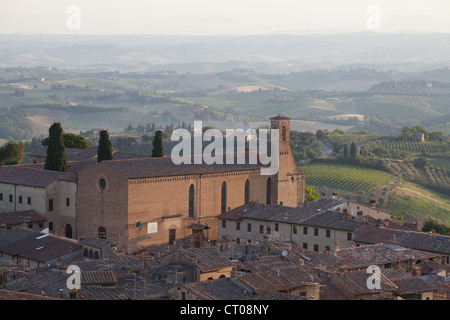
{"x":289,"y":183}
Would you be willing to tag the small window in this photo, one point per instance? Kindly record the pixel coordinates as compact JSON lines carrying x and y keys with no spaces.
{"x":10,"y":198}
{"x":224,"y":224}
{"x":349,"y":236}
{"x":249,"y":227}
{"x":388,"y":266}
{"x":328,"y":233}
{"x":261,"y":229}
{"x":20,"y":199}
{"x":138,"y":225}
{"x":305,"y":245}
{"x":67,"y":202}
{"x":102,"y":184}
{"x":238,"y":240}
{"x":238,"y":225}
{"x":50,"y":204}
{"x":50,"y":226}
{"x":316,"y":248}
{"x":29,"y":200}
{"x":316,"y":231}
{"x":276,"y":227}
{"x":268,"y":230}
{"x":102,"y":233}
{"x":294,"y":229}
{"x":1,"y":196}
{"x":305,"y":230}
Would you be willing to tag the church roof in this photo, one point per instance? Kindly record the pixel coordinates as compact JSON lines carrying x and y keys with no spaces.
{"x":280,"y":118}
{"x":164,"y":166}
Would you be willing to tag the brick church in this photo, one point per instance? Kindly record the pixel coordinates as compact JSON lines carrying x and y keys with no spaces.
{"x":139,"y":202}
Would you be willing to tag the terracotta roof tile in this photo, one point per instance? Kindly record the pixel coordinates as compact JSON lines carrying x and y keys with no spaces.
{"x":219,"y":289}
{"x":378,"y":254}
{"x":164,"y":166}
{"x":36,"y":245}
{"x":22,"y":175}
{"x":19,"y":217}
{"x":409,"y":239}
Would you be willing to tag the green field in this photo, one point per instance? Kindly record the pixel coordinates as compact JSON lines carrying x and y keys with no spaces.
{"x":417,"y":146}
{"x":416,"y":202}
{"x":345,"y":177}
{"x":395,"y":107}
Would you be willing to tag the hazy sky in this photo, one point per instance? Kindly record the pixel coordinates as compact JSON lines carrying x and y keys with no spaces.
{"x":219,"y":17}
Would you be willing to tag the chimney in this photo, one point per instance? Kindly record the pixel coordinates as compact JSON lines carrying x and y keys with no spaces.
{"x":373,"y":203}
{"x":265,"y":245}
{"x":336,"y":245}
{"x":334,"y":195}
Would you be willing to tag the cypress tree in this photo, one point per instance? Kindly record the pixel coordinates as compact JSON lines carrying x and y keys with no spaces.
{"x":104,"y":151}
{"x":353,"y":150}
{"x":158,"y":148}
{"x":56,"y":152}
{"x":345,"y":151}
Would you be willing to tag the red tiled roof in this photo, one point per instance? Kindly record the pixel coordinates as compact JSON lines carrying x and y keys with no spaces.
{"x":286,"y":278}
{"x":206,"y":258}
{"x":273,"y":295}
{"x":412,"y":285}
{"x":19,"y":217}
{"x":219,"y":289}
{"x":163,"y":167}
{"x":14,"y":295}
{"x":312,"y":215}
{"x":356,"y":281}
{"x":22,"y":175}
{"x":35,"y":245}
{"x":409,"y":239}
{"x":378,"y":254}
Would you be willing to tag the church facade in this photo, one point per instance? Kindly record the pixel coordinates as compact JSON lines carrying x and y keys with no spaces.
{"x":140,"y":202}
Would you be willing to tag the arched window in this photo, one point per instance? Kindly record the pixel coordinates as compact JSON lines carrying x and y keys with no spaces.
{"x":268,"y":189}
{"x":96,"y":255}
{"x":85,"y":252}
{"x":102,"y":233}
{"x":223,"y":206}
{"x":283,"y":134}
{"x":191,"y":201}
{"x":68,"y":231}
{"x":247,"y":192}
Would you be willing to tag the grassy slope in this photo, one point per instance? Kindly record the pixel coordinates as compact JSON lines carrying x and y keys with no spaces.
{"x":409,"y":200}
{"x":412,"y":200}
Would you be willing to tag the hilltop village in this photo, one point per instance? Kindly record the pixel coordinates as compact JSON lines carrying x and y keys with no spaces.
{"x":144,"y":228}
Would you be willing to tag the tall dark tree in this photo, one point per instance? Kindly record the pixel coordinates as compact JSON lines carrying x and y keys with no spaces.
{"x":104,"y":147}
{"x":345,"y":151}
{"x":158,"y":148}
{"x":353,"y":150}
{"x":56,"y":151}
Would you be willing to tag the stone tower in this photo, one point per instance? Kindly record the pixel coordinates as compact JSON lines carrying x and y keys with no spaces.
{"x":288,"y":185}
